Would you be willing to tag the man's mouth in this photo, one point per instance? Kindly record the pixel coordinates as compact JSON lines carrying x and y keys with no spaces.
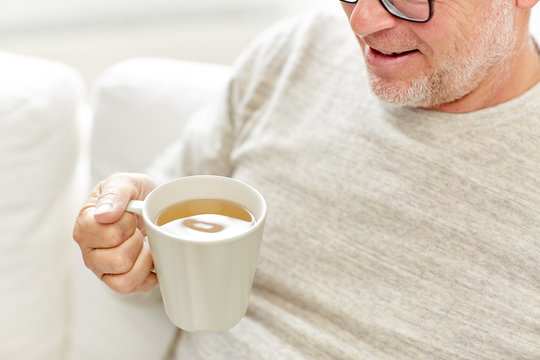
{"x":394,"y":54}
{"x":396,"y":60}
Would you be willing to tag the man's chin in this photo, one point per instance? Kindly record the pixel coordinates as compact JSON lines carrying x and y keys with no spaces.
{"x":401,"y":93}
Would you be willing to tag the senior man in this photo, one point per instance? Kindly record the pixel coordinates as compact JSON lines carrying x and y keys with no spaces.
{"x":402,"y":178}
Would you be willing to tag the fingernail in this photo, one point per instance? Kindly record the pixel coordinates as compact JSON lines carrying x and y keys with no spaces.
{"x":103,"y":208}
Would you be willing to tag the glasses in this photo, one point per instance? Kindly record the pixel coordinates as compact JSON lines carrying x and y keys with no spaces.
{"x":411,"y":10}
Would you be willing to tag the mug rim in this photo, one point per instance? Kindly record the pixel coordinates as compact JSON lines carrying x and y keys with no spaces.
{"x":259,"y":221}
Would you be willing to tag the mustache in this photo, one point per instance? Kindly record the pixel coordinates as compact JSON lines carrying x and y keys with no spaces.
{"x":391,"y":40}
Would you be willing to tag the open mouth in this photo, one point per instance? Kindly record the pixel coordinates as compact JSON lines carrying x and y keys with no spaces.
{"x":394,"y":54}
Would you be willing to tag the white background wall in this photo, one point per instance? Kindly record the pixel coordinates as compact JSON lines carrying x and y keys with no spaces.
{"x":93,"y":34}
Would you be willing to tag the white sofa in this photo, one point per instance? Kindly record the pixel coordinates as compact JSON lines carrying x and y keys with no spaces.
{"x":51,"y":307}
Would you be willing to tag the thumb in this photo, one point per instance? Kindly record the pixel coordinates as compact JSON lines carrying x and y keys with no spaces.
{"x":113,"y":195}
{"x":108,"y":210}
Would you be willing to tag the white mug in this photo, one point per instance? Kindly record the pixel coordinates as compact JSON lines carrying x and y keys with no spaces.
{"x":205,"y":285}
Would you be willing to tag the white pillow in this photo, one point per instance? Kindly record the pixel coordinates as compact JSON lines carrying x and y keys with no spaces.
{"x":38,"y":153}
{"x":142,"y":104}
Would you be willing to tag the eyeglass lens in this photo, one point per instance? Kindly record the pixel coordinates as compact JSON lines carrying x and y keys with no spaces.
{"x":416,"y":10}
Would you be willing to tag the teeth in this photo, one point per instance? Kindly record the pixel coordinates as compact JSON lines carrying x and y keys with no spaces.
{"x":389,"y":53}
{"x":393,"y":53}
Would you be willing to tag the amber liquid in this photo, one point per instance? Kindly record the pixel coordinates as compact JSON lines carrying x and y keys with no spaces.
{"x":205,"y":219}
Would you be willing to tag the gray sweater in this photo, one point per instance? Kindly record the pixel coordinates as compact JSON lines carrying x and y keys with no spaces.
{"x":392,"y":233}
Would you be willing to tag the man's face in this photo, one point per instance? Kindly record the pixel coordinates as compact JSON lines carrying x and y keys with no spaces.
{"x":438,"y":62}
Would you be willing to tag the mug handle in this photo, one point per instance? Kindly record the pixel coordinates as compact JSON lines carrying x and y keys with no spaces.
{"x":135,"y":206}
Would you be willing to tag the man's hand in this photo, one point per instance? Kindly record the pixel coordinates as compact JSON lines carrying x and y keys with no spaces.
{"x":112,"y":241}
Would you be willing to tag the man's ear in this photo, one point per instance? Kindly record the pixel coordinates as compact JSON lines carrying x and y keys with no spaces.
{"x":526,"y":4}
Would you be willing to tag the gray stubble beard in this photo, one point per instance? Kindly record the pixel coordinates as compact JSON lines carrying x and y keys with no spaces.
{"x":457,"y":75}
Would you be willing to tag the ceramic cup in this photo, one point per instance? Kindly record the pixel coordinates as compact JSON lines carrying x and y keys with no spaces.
{"x":205,"y":285}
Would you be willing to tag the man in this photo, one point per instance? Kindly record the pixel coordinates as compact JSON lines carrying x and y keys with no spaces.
{"x":407,"y":228}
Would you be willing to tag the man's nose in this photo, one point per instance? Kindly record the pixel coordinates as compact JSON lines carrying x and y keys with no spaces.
{"x":369,"y":16}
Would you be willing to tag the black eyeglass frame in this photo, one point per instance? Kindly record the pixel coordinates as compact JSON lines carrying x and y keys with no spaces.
{"x":392,"y":10}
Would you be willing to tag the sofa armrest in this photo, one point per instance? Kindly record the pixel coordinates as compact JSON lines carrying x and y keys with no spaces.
{"x":39,"y":145}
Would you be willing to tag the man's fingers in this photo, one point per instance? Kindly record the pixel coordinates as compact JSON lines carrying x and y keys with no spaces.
{"x":139,"y":278}
{"x":92,"y":235}
{"x":111,"y":239}
{"x":149,"y":283}
{"x":116,"y":260}
{"x":112,"y":197}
